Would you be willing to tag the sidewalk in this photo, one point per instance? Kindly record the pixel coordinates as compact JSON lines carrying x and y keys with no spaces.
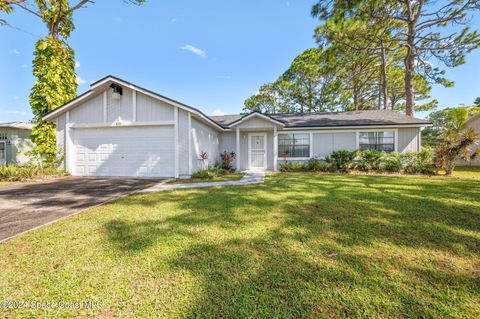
{"x":249,"y":178}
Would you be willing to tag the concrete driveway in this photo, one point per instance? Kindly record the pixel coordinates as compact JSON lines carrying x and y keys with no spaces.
{"x":27,"y":206}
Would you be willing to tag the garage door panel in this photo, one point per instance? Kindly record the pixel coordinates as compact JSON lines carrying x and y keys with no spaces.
{"x":133,"y":151}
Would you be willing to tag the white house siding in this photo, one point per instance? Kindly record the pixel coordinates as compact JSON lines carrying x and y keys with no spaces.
{"x":409,"y":139}
{"x":255,"y":123}
{"x":183,"y":142}
{"x":150,"y":109}
{"x":90,"y":112}
{"x":323,"y":144}
{"x":204,"y":139}
{"x":121,"y":109}
{"x":61,"y":121}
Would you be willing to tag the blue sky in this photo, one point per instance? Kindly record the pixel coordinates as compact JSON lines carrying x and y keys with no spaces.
{"x":209,"y":54}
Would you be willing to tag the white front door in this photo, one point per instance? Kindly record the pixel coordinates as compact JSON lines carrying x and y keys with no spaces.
{"x":257,"y":155}
{"x":3,"y":153}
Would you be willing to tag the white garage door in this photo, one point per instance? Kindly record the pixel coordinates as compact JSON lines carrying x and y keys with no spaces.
{"x":122,"y":151}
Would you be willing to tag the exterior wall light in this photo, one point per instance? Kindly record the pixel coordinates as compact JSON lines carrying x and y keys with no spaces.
{"x":117,"y":91}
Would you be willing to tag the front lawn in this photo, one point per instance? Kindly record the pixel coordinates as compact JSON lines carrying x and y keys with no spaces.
{"x":300,"y":245}
{"x":467,"y":172}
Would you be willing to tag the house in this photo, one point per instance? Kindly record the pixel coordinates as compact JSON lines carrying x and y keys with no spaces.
{"x":472,"y":122}
{"x":15,"y":142}
{"x":120,"y":129}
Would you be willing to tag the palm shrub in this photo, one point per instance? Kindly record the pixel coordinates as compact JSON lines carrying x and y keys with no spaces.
{"x":315,"y":164}
{"x":369,"y":160}
{"x":417,"y":162}
{"x":390,"y":162}
{"x":341,"y":160}
{"x":226,"y":160}
{"x":454,"y":145}
{"x":14,"y":172}
{"x":292,"y":167}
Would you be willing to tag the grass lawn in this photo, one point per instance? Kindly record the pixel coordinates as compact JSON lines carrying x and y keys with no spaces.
{"x":8,"y":183}
{"x":300,"y":245}
{"x":221,"y":178}
{"x":467,"y":172}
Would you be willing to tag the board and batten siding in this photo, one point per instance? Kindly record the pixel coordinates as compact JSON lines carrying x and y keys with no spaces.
{"x":183,"y":153}
{"x":204,"y":139}
{"x":409,"y":139}
{"x":151,"y":109}
{"x":89,"y":112}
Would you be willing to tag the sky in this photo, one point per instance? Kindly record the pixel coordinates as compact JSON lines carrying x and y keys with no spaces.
{"x":210,"y":54}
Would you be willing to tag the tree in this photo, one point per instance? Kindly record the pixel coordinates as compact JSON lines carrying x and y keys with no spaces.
{"x":309,"y":85}
{"x":427,"y":33}
{"x":477,"y":101}
{"x":53,"y":66}
{"x":357,"y":70}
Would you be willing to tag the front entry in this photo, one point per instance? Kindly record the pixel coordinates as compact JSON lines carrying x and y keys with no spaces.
{"x":3,"y":153}
{"x":257,"y":151}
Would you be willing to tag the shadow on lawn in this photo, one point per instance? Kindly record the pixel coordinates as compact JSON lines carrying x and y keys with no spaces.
{"x":310,"y":263}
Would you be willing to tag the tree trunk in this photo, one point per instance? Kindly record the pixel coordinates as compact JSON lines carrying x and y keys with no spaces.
{"x":384,"y":78}
{"x":410,"y":70}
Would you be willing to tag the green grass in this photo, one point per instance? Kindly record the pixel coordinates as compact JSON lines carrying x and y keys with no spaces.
{"x":219,"y":178}
{"x":300,"y":245}
{"x":7,"y":183}
{"x":467,"y":172}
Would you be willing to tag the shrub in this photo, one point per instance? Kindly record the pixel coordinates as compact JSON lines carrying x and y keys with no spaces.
{"x":368,"y":160}
{"x":209,"y":173}
{"x":226,"y":160}
{"x":292,"y":167}
{"x":13,"y":172}
{"x":315,"y":164}
{"x":417,"y":163}
{"x":391,"y":162}
{"x":341,"y":160}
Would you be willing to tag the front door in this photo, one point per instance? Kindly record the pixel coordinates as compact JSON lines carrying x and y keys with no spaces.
{"x":3,"y":153}
{"x":257,"y":145}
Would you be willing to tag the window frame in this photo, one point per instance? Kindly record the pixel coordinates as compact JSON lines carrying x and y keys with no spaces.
{"x":394,"y":142}
{"x":308,"y":137}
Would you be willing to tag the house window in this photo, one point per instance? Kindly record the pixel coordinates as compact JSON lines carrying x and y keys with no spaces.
{"x":294,"y":145}
{"x":3,"y":136}
{"x":381,"y":141}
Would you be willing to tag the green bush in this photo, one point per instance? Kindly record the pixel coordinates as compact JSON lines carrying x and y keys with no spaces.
{"x":13,"y":172}
{"x":369,"y":160}
{"x":209,"y":173}
{"x":390,"y":162}
{"x":341,"y":160}
{"x":418,"y":163}
{"x":315,"y":164}
{"x":292,"y":167}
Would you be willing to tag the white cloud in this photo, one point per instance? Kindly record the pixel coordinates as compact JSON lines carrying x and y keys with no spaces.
{"x":77,"y":64}
{"x":79,"y":80}
{"x":287,"y":3}
{"x":218,"y":112}
{"x":195,"y":50}
{"x":14,"y":51}
{"x":16,"y":112}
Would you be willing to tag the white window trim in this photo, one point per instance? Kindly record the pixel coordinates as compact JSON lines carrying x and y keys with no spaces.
{"x":250,"y":150}
{"x":395,"y":137}
{"x":310,"y":146}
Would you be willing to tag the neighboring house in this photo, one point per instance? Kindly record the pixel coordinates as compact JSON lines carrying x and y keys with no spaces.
{"x":473,"y":122}
{"x":14,"y":142}
{"x":119,"y":129}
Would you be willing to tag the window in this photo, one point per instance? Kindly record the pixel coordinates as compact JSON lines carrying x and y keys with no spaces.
{"x":294,"y":145}
{"x":381,"y":141}
{"x":2,"y":151}
{"x":3,"y":136}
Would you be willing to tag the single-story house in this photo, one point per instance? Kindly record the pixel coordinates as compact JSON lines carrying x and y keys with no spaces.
{"x":474,"y":123}
{"x":120,"y":129}
{"x":15,"y":142}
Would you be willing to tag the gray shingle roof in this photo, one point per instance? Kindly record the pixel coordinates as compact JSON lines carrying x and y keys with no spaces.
{"x":334,"y":119}
{"x":18,"y":125}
